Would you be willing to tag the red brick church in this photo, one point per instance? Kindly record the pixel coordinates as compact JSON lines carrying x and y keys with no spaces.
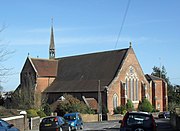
{"x":115,"y":75}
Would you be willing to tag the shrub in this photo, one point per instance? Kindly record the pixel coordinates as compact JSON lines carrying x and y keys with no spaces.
{"x":104,"y":110}
{"x":31,"y":113}
{"x":145,"y":106}
{"x":71,"y":104}
{"x":4,"y":112}
{"x":129,"y":105}
{"x":120,"y":110}
{"x":47,"y":109}
{"x":41,"y":114}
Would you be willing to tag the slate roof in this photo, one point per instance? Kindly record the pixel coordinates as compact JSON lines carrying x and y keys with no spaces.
{"x":152,"y":78}
{"x":82,"y":73}
{"x":45,"y":67}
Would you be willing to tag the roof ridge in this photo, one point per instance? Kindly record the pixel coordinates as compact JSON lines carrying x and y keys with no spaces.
{"x":43,"y":59}
{"x":85,"y":54}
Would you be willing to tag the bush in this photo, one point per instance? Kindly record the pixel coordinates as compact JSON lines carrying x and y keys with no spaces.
{"x":71,"y":104}
{"x":129,"y":105}
{"x":31,"y":113}
{"x":145,"y":106}
{"x":41,"y":114}
{"x":120,"y":110}
{"x":104,"y":110}
{"x":4,"y":112}
{"x":47,"y":109}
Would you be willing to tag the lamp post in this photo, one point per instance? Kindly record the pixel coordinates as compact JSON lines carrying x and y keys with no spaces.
{"x":99,"y":101}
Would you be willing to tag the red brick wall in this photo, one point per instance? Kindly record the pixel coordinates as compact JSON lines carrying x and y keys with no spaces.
{"x":115,"y":86}
{"x":43,"y":83}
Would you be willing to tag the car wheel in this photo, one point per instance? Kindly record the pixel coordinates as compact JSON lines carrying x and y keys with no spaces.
{"x":81,"y":127}
{"x":76,"y":128}
{"x":139,"y":129}
{"x":60,"y":129}
{"x":69,"y":128}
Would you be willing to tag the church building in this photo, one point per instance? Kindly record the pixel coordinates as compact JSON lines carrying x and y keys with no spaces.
{"x":108,"y":77}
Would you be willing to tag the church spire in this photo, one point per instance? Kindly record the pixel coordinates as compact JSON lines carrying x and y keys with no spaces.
{"x":52,"y":46}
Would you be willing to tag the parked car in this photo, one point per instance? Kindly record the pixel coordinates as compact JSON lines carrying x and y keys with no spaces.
{"x":74,"y":120}
{"x":138,"y":121}
{"x":5,"y":126}
{"x":54,"y":123}
{"x":165,"y":114}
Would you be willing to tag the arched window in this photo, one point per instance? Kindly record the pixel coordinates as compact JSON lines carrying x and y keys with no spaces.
{"x":132,"y":86}
{"x":127,"y":90}
{"x":137,"y":90}
{"x":132,"y":89}
{"x":115,"y":100}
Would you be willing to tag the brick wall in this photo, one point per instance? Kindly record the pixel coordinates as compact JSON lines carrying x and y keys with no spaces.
{"x":117,"y":84}
{"x":89,"y":117}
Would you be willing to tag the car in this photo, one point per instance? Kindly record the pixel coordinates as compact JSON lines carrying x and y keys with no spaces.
{"x":138,"y":121}
{"x":165,"y":114}
{"x":74,"y":120}
{"x":54,"y":123}
{"x":5,"y":126}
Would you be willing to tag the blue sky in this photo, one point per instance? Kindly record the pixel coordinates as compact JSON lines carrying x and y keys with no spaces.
{"x":86,"y":26}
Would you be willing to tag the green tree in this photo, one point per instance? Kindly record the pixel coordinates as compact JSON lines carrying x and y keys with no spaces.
{"x":129,"y":105}
{"x":173,"y":97}
{"x":71,"y":104}
{"x":47,"y":109}
{"x":161,"y":73}
{"x":120,"y":110}
{"x":145,"y":106}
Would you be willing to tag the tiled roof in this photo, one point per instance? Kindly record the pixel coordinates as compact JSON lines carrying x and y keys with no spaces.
{"x":45,"y":67}
{"x":152,"y":78}
{"x":82,"y":73}
{"x":92,"y":103}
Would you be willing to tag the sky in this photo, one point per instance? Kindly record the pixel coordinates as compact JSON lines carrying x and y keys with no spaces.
{"x":88,"y":26}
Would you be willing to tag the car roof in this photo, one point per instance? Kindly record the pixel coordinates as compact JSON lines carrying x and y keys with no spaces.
{"x":71,"y":114}
{"x":141,"y":113}
{"x":51,"y":117}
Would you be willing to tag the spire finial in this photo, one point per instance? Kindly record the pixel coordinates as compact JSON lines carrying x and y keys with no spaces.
{"x":130,"y":44}
{"x":52,"y":22}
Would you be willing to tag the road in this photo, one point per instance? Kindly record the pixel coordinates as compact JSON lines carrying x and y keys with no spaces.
{"x":102,"y":126}
{"x":163,"y":125}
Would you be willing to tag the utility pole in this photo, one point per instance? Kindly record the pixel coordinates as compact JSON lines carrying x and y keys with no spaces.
{"x":99,"y":101}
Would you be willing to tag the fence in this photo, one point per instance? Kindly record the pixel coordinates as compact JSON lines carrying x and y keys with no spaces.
{"x":34,"y":123}
{"x":23,"y":123}
{"x":17,"y":121}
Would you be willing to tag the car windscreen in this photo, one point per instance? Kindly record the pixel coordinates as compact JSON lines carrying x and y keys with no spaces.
{"x":49,"y":122}
{"x":70,"y":117}
{"x":4,"y":123}
{"x":139,"y":119}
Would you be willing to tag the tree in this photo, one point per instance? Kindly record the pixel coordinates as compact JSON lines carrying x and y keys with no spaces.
{"x":72,"y":104}
{"x":129,"y":105}
{"x":173,"y":97}
{"x":4,"y":56}
{"x":161,"y":73}
{"x":145,"y":105}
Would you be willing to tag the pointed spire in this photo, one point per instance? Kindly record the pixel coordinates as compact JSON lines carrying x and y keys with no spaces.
{"x":52,"y":45}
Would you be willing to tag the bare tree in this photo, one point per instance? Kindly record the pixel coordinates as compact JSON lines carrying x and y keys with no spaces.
{"x":4,"y":56}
